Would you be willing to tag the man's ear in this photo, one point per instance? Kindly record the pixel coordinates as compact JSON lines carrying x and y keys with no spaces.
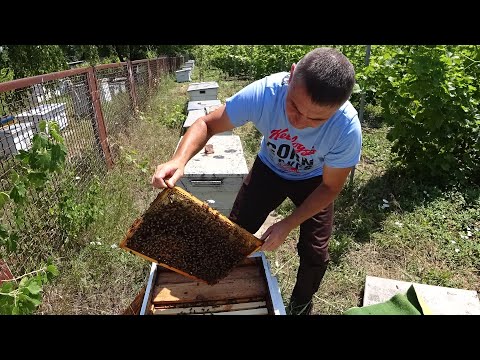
{"x":291,"y":72}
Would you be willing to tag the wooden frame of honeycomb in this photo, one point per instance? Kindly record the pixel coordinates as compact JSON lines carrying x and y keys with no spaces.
{"x":184,"y":234}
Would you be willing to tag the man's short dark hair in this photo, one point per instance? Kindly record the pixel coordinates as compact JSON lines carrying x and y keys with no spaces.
{"x":327,"y":75}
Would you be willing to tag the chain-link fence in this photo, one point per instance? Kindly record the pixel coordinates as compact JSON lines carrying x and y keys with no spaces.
{"x":92,"y":106}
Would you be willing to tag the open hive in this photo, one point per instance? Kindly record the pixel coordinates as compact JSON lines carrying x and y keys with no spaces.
{"x":183,"y":234}
{"x":244,"y":291}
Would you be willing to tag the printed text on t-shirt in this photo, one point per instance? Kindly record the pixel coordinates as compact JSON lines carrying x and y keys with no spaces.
{"x":299,"y":148}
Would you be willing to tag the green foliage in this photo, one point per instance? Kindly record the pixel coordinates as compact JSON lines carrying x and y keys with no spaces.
{"x":6,"y":74}
{"x":22,"y":298}
{"x":31,"y":60}
{"x":46,"y":156}
{"x":107,"y":51}
{"x":257,"y":61}
{"x":87,"y":53}
{"x":76,"y":210}
{"x":173,"y":116}
{"x":131,"y":157}
{"x":430,"y":97}
{"x":252,"y":61}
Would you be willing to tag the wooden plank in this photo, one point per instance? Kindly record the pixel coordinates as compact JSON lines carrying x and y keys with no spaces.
{"x":207,"y":303}
{"x":209,"y":309}
{"x":136,"y":305}
{"x":225,"y":289}
{"x":244,"y":272}
{"x":245,"y":262}
{"x":251,"y":261}
{"x":261,"y":311}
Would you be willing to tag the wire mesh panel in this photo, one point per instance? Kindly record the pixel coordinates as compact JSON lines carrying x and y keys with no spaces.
{"x":164,"y":64}
{"x":154,"y":73}
{"x":92,"y":108}
{"x":68,"y":102}
{"x":140,"y":76}
{"x":116,"y":102}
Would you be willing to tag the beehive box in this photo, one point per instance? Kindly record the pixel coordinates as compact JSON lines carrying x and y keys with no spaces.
{"x":201,"y":105}
{"x":15,"y":137}
{"x":250,"y":289}
{"x":105,"y":90}
{"x":203,"y":91}
{"x":183,"y":75}
{"x":216,"y":178}
{"x":48,"y":112}
{"x":185,"y":235}
{"x":81,"y":98}
{"x":190,"y":63}
{"x":118,"y":85}
{"x":192,"y":116}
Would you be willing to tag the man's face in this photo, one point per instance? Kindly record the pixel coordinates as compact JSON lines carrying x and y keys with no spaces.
{"x":302,"y":112}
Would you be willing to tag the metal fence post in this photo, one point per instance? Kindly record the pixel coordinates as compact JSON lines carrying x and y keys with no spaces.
{"x":131,"y":81}
{"x":149,"y":77}
{"x":102,"y":132}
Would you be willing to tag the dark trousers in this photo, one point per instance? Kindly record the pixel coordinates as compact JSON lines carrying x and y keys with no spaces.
{"x":262,"y":192}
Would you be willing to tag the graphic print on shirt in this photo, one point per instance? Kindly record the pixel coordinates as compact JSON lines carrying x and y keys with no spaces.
{"x":288,"y":153}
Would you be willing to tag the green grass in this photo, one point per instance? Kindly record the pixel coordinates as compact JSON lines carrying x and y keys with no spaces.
{"x":426,"y":234}
{"x":422,"y":236}
{"x":100,"y":278}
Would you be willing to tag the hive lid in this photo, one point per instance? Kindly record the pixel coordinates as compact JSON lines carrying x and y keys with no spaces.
{"x":227,"y":159}
{"x":201,"y":104}
{"x":203,"y":86}
{"x":42,"y":109}
{"x":184,"y":234}
{"x":16,"y":128}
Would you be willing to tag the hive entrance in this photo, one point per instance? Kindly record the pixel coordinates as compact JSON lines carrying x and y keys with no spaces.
{"x":180,"y":232}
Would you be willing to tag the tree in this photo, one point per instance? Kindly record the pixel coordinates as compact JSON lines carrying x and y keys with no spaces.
{"x":31,"y":60}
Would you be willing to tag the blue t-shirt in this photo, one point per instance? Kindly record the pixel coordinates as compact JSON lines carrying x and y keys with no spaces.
{"x":295,"y":154}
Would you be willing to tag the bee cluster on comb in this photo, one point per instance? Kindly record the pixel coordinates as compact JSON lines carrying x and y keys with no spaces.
{"x":184,"y":234}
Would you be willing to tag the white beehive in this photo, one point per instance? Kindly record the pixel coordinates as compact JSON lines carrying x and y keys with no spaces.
{"x":105,"y":90}
{"x":81,"y":99}
{"x":118,"y":85}
{"x":200,"y":105}
{"x":183,"y":75}
{"x":192,"y":117}
{"x":190,"y":63}
{"x":38,"y":94}
{"x":249,"y":289}
{"x":203,"y":91}
{"x":48,"y":112}
{"x":15,"y":137}
{"x":216,"y":178}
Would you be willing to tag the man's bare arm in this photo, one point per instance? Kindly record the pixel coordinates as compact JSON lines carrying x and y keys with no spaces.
{"x":332,"y":184}
{"x":320,"y":198}
{"x":197,"y":135}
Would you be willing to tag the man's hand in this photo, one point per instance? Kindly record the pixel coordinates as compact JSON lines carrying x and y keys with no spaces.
{"x":167,"y":174}
{"x":275,"y":235}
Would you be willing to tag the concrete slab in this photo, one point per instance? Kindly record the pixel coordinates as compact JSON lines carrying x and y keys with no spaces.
{"x":441,"y":300}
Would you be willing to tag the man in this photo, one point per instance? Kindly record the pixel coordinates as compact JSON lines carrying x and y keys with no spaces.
{"x":311,"y":140}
